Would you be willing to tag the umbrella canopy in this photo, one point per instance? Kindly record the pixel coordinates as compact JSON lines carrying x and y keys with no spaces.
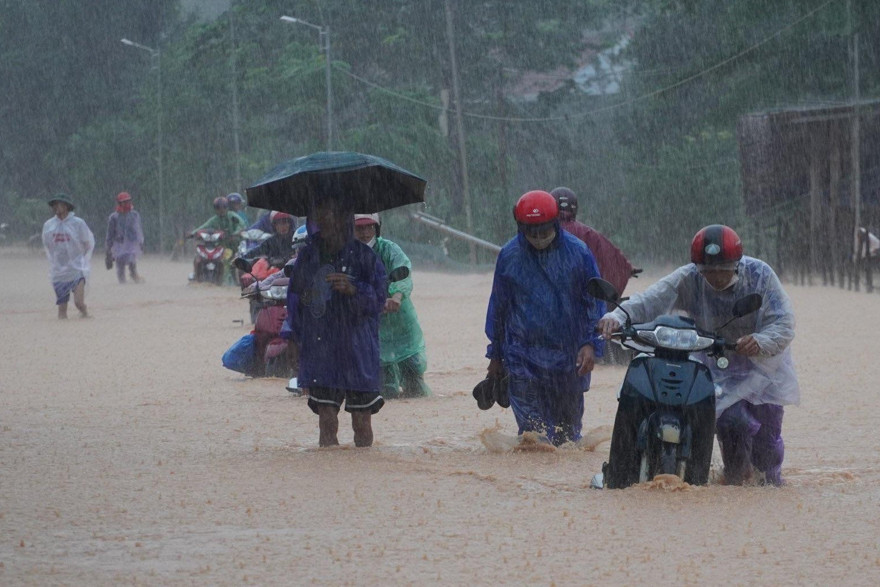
{"x":364,"y":183}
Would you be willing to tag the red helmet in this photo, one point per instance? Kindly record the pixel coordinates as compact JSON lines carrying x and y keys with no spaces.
{"x":535,"y":207}
{"x":123,"y":197}
{"x":716,"y":244}
{"x":279,"y":216}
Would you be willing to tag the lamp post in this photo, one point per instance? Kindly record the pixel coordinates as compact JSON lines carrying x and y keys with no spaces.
{"x":157,"y":55}
{"x":324,"y":40}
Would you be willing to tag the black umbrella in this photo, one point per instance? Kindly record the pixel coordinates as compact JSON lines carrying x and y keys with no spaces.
{"x":364,"y":183}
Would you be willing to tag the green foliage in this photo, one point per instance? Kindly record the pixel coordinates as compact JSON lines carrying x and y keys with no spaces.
{"x":80,"y":110}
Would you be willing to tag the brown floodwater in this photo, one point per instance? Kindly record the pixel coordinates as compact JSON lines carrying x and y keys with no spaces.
{"x":128,"y":455}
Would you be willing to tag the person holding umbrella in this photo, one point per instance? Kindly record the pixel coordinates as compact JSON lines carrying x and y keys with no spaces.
{"x":69,"y":244}
{"x":337,"y":286}
{"x":336,"y":293}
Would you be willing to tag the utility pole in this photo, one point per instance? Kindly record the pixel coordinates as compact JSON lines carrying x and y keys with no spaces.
{"x":324,"y":44}
{"x":235,"y":121}
{"x":856,"y":155}
{"x":462,"y":150}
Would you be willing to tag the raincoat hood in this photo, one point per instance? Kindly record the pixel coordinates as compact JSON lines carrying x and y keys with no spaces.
{"x":63,"y":198}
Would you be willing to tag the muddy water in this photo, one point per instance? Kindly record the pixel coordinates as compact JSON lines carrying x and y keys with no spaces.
{"x":129,"y":455}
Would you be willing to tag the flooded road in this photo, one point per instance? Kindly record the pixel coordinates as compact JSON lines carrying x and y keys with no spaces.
{"x":129,"y":455}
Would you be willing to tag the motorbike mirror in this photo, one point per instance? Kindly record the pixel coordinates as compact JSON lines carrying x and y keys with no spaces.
{"x":602,"y":290}
{"x":242,"y":264}
{"x":747,"y":305}
{"x":744,"y":306}
{"x":399,"y":274}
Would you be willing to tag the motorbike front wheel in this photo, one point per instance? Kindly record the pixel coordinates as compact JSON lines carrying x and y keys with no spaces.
{"x":624,"y":459}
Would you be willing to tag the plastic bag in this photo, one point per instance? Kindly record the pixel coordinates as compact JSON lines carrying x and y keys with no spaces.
{"x":241,"y":355}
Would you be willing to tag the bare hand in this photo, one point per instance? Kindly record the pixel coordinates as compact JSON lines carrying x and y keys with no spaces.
{"x":607,"y":326}
{"x":342,"y":283}
{"x":748,"y":346}
{"x":495,"y":369}
{"x":392,"y":304}
{"x":585,"y":360}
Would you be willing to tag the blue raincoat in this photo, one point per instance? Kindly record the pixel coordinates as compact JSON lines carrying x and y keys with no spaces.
{"x":338,"y":334}
{"x":539,"y":313}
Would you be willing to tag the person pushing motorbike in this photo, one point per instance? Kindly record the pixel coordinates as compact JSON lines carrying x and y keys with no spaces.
{"x":760,"y":378}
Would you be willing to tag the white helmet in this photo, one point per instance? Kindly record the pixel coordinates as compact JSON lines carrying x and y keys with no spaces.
{"x":299,"y":236}
{"x":362,"y":219}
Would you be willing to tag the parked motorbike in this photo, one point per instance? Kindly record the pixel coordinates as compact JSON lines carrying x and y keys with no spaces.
{"x":665,"y":422}
{"x":208,"y":264}
{"x":274,"y":356}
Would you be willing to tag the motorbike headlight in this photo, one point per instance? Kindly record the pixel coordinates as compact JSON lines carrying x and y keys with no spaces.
{"x":276,"y":292}
{"x":675,"y":338}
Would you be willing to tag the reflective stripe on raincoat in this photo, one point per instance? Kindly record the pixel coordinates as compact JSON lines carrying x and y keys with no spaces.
{"x":69,"y":245}
{"x":400,"y":335}
{"x":540,"y":314}
{"x":338,"y":334}
{"x":768,"y":378}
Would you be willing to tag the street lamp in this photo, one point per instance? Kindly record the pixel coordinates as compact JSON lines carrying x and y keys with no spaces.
{"x":324,"y":41}
{"x":156,"y":53}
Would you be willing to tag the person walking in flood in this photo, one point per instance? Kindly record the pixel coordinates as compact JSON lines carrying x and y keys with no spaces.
{"x":125,"y":239}
{"x":760,"y":378}
{"x":69,"y":244}
{"x":612,"y":263}
{"x":401,"y":343}
{"x":336,"y":293}
{"x":541,"y":323}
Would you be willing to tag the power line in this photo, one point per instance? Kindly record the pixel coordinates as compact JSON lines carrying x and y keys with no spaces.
{"x":595,"y":111}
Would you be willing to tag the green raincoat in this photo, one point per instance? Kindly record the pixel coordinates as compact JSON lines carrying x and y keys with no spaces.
{"x":400,"y":336}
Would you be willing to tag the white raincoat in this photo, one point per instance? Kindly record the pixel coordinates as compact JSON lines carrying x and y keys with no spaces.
{"x":769,"y":377}
{"x":69,"y":245}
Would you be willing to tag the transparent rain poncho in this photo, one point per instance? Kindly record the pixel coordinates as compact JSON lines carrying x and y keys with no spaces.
{"x":69,"y":245}
{"x":768,"y":378}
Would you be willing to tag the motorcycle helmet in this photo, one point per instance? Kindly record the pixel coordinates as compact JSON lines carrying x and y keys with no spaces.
{"x":221,"y":203}
{"x":123,"y":197}
{"x":716,"y":244}
{"x":566,"y":200}
{"x":299,"y":236}
{"x":366,"y":219}
{"x":535,"y":208}
{"x":234,"y":199}
{"x":279,"y":217}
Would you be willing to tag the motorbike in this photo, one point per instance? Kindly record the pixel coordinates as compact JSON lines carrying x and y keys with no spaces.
{"x":260,"y":270}
{"x":665,"y":421}
{"x":250,"y":239}
{"x":274,"y":356}
{"x":208,"y":265}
